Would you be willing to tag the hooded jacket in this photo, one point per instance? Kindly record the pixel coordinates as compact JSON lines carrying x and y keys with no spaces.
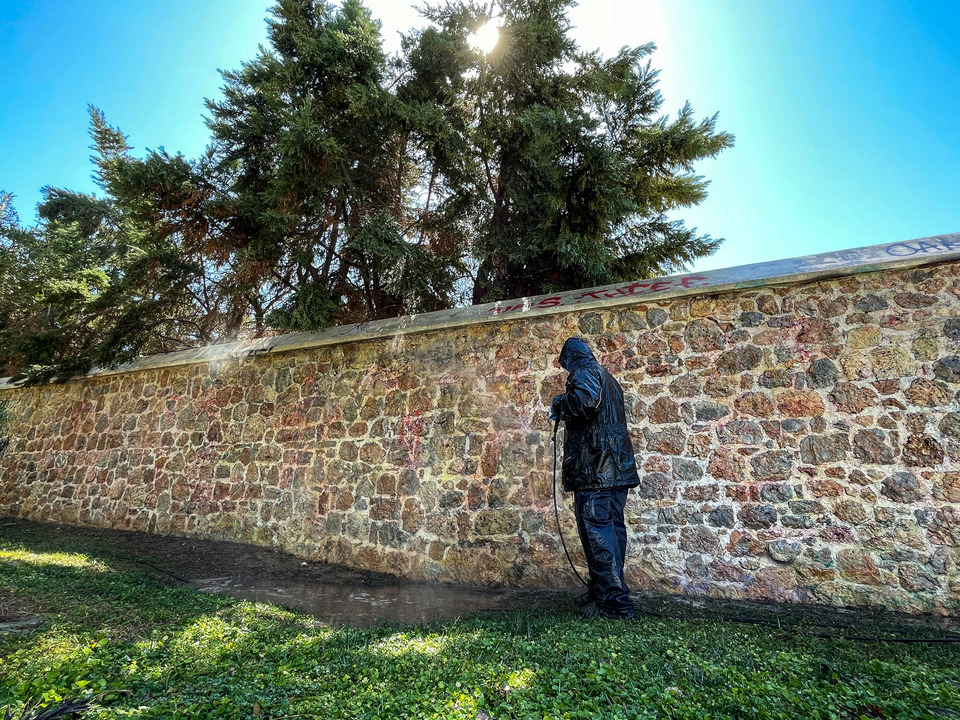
{"x":597,"y":453}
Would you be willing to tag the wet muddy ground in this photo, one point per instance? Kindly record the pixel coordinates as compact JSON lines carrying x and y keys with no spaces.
{"x":334,"y":594}
{"x":344,"y":596}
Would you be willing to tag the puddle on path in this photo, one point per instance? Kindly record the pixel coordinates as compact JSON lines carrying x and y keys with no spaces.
{"x":365,"y":605}
{"x":345,"y":596}
{"x":334,"y":595}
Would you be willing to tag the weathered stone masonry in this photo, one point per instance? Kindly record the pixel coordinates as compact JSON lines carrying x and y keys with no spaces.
{"x":798,"y":441}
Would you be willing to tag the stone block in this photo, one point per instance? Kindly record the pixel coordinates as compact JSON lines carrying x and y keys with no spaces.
{"x":656,"y":317}
{"x":740,"y":432}
{"x":703,"y":336}
{"x":851,"y":399}
{"x":745,"y":544}
{"x":817,"y":331}
{"x":944,"y":528}
{"x":927,"y":393}
{"x":662,"y":411}
{"x":758,"y":516}
{"x":496,"y":522}
{"x":946,"y":488}
{"x":452,"y":499}
{"x":776,"y":492}
{"x":698,"y":539}
{"x":756,"y":404}
{"x":708,"y":411}
{"x":685,"y":386}
{"x":739,"y":360}
{"x":870,"y":303}
{"x":914,"y":579}
{"x":921,"y":450}
{"x":723,"y":465}
{"x":412,"y":515}
{"x":686,"y":470}
{"x":823,"y":449}
{"x":721,"y":517}
{"x":858,"y":566}
{"x":926,"y":345}
{"x":902,"y":487}
{"x":701,"y":493}
{"x":775,"y":583}
{"x":800,"y":403}
{"x":950,"y":425}
{"x":772,"y":465}
{"x":860,"y":338}
{"x":914,"y":300}
{"x":671,"y":441}
{"x":850,"y":511}
{"x":655,"y":486}
{"x":870,"y":446}
{"x":784,"y":551}
{"x":892,"y":362}
{"x":777,"y":378}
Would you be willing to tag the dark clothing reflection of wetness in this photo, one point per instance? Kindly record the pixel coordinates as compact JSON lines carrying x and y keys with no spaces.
{"x":599,"y":468}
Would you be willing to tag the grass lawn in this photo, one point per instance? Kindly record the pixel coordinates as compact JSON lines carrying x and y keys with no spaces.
{"x":108,"y":627}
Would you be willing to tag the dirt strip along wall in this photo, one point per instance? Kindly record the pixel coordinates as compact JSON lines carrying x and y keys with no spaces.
{"x":797,"y":443}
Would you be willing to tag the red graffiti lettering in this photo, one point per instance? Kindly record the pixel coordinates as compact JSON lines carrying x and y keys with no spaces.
{"x":689,"y":281}
{"x":633,"y":288}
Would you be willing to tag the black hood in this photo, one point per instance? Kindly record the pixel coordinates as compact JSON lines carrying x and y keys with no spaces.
{"x":575,"y":353}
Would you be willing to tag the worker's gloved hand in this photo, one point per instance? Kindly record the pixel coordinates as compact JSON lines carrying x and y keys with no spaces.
{"x":555,"y":409}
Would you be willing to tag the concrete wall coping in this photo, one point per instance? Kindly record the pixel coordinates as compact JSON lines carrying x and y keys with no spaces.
{"x":910,"y":253}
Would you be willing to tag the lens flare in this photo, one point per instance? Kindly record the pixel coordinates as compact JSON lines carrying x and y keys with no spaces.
{"x":485,"y":39}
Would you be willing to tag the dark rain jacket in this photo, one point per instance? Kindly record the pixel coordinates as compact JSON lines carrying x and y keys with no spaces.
{"x":597,"y":452}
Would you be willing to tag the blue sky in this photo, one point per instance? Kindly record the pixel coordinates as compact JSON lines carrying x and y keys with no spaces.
{"x":847,"y":114}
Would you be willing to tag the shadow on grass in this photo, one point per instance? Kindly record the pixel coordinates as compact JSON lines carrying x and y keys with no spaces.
{"x":110,"y":626}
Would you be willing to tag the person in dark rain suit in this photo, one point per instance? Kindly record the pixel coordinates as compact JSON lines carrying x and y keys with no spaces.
{"x":599,"y":468}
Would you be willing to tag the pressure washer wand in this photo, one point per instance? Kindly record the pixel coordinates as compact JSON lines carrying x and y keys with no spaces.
{"x":556,"y":506}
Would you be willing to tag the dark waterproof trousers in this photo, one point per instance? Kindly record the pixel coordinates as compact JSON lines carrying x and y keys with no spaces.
{"x":604,"y":539}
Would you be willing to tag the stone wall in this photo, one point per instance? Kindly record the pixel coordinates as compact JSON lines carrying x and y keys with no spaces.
{"x":797,"y":441}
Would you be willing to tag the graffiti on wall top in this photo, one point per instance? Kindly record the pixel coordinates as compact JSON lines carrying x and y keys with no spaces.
{"x":634,"y":288}
{"x":920,"y":251}
{"x":909,"y":253}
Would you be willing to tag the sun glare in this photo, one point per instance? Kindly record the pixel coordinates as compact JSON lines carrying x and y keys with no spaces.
{"x":485,"y":39}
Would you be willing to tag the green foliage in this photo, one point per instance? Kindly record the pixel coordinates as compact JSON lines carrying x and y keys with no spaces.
{"x":96,"y":282}
{"x":182,"y":654}
{"x":310,"y":170}
{"x":560,"y":165}
{"x":309,"y":308}
{"x":343,"y":185}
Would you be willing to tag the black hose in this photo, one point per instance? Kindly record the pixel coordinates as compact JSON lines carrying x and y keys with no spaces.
{"x":751,"y":621}
{"x":158,"y":569}
{"x":556,"y":507}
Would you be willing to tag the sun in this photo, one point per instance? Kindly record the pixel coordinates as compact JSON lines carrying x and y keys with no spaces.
{"x":485,"y":39}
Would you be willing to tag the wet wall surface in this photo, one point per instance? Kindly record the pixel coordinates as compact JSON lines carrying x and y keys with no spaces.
{"x":797,"y":443}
